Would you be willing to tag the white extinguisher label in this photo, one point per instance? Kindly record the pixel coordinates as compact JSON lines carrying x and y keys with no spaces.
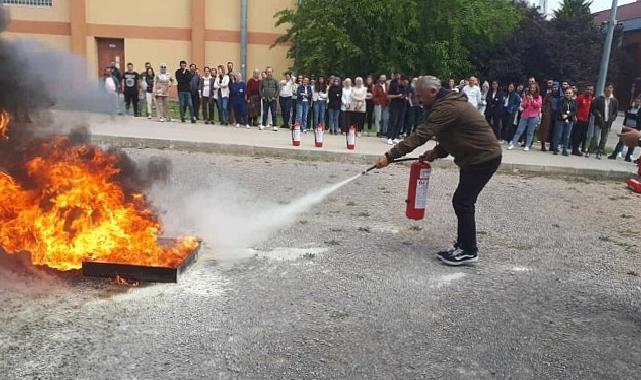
{"x":319,"y":135}
{"x":297,"y":134}
{"x":422,"y":184}
{"x":350,"y":136}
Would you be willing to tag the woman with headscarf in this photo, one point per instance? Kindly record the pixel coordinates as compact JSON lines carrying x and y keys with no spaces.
{"x":346,"y":101}
{"x":485,"y":88}
{"x":162,"y":82}
{"x":358,"y":105}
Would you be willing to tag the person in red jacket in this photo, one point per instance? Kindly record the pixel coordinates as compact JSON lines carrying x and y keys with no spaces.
{"x":381,"y":103}
{"x":253,"y":95}
{"x":580,"y":132}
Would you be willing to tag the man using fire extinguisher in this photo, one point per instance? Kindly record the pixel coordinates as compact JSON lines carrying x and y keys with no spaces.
{"x":465,"y":134}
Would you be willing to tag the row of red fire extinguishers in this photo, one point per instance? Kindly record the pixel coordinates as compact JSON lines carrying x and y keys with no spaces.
{"x":319,"y":133}
{"x":419,"y":171}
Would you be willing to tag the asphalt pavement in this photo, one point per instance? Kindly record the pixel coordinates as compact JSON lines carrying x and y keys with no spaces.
{"x":349,"y":288}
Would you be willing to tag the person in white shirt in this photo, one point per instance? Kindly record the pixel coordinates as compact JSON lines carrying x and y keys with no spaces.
{"x":285,"y":98}
{"x":473,"y":92}
{"x":109,"y":85}
{"x":346,"y":100}
{"x":222,"y":86}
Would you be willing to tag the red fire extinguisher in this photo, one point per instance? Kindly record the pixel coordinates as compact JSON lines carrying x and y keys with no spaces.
{"x":635,"y":184}
{"x":296,"y":135}
{"x":351,"y":137}
{"x":318,"y":135}
{"x":417,"y":190}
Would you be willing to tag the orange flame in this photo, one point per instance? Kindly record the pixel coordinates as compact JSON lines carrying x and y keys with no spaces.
{"x":5,"y":119}
{"x":119,"y":280}
{"x":70,"y":209}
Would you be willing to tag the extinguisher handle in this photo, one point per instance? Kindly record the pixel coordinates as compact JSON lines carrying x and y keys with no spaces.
{"x":392,"y":162}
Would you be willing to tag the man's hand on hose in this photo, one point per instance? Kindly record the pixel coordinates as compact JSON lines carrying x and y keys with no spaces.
{"x":382,"y":162}
{"x":429,"y":156}
{"x":629,"y":136}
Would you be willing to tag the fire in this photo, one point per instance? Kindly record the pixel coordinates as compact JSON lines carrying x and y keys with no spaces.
{"x":5,"y":119}
{"x":68,"y":208}
{"x":119,"y":280}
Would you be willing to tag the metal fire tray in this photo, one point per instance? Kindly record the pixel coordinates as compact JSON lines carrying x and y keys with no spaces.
{"x":140,"y":273}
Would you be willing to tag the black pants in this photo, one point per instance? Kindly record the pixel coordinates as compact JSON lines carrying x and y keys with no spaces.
{"x":369,"y":113}
{"x":209,"y":106}
{"x":472,"y":180}
{"x":195,"y":100}
{"x":131,"y":98}
{"x":579,"y":136}
{"x":507,"y":130}
{"x":356,"y":118}
{"x":285,"y":109}
{"x":396,"y":117}
{"x":494,"y":119}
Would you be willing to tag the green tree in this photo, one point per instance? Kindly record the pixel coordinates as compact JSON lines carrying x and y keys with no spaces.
{"x":574,"y":9}
{"x":376,"y":36}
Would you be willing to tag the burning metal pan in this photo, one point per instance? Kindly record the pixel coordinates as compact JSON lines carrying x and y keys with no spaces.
{"x":140,"y":272}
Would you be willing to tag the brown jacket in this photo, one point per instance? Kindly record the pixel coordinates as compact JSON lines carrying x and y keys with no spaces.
{"x":459,"y":129}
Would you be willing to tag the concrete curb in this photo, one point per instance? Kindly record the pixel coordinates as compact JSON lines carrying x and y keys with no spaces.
{"x":319,"y":155}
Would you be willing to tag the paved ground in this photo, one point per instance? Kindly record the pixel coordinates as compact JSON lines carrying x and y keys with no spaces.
{"x":128,"y":131}
{"x":351,"y":288}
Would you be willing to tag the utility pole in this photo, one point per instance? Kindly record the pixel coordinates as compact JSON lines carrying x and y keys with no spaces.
{"x":607,"y":46}
{"x":243,"y":39}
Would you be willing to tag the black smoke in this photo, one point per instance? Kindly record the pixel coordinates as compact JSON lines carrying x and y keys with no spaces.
{"x":36,"y":84}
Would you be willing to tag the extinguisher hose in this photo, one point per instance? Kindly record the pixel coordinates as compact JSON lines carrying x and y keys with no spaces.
{"x":393,"y":162}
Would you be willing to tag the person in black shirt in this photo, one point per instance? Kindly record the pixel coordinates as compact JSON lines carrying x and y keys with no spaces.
{"x":183,"y":77}
{"x":130,"y":86}
{"x":397,"y":105}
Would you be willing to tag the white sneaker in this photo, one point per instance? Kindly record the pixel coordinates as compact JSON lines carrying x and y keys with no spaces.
{"x":261,"y":127}
{"x":396,"y":141}
{"x":358,"y":134}
{"x":510,"y":147}
{"x":526,"y":149}
{"x":390,"y":142}
{"x":237,"y":125}
{"x":247,"y":126}
{"x":162,"y":120}
{"x":275,"y":129}
{"x":149,"y":117}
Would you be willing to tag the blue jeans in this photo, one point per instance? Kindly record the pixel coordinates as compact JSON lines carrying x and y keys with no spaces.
{"x":531,"y":124}
{"x":302,"y":108}
{"x":319,"y":112}
{"x":333,"y":120}
{"x":269,"y":106}
{"x":223,"y":108}
{"x":562,"y":133}
{"x":184,"y":97}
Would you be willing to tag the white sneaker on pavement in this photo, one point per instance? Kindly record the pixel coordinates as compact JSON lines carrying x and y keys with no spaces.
{"x":247,"y":126}
{"x":396,"y":141}
{"x":526,"y":149}
{"x":390,"y":142}
{"x":237,"y":125}
{"x":261,"y":127}
{"x":275,"y":129}
{"x":510,"y":147}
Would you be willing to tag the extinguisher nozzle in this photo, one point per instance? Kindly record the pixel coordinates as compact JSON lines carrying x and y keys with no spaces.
{"x":368,"y":170}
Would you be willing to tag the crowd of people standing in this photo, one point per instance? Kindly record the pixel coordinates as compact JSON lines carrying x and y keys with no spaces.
{"x":561,"y":117}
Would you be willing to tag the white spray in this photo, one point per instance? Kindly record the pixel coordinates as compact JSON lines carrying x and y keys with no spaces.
{"x":230,"y":219}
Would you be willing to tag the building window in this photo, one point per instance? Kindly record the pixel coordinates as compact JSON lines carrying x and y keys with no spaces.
{"x":33,"y":3}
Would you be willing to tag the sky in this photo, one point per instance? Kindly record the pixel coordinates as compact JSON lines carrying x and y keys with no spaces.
{"x":597,"y":5}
